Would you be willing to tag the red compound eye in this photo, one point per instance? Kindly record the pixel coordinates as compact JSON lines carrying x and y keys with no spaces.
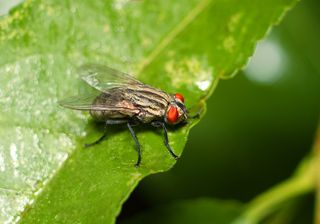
{"x":179,"y":96}
{"x":172,"y":114}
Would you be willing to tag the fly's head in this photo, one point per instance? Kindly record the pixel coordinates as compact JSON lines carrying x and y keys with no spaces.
{"x":176,"y":110}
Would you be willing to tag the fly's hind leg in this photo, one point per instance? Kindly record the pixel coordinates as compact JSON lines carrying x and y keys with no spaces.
{"x":165,"y":137}
{"x":137,"y":144}
{"x":108,"y":122}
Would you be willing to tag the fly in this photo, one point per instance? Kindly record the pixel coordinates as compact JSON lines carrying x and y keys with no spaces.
{"x":121,"y":99}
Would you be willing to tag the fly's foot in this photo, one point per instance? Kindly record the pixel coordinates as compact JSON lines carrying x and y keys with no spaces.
{"x":173,"y":154}
{"x":195,"y":116}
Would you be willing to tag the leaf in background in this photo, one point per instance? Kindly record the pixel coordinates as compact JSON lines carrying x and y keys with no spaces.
{"x":46,"y":175}
{"x":191,"y":211}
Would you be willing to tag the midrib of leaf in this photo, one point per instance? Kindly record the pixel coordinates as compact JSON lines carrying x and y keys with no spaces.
{"x":173,"y":33}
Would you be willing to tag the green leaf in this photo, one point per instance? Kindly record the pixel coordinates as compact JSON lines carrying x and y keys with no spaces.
{"x":202,"y":211}
{"x":46,"y":175}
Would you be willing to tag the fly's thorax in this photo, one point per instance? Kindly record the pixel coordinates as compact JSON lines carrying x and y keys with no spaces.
{"x":151,"y":102}
{"x":149,"y":114}
{"x":176,"y":111}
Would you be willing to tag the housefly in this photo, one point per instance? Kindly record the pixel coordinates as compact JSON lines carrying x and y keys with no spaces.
{"x":121,"y":99}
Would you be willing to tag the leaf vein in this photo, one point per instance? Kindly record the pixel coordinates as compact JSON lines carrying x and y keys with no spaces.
{"x":174,"y":32}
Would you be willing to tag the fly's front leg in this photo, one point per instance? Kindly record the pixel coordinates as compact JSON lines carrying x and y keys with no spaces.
{"x":137,"y":144}
{"x":194,"y":116}
{"x":165,"y":137}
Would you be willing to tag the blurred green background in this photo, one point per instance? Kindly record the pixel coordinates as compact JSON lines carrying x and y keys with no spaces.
{"x":258,"y":126}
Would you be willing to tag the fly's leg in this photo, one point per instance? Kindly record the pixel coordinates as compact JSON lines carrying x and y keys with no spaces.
{"x":99,"y":140}
{"x":194,"y":116}
{"x":137,"y":144}
{"x":105,"y":132}
{"x":166,"y":141}
{"x":165,"y":137}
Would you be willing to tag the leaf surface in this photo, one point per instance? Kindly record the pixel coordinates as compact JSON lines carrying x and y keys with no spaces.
{"x":45,"y":173}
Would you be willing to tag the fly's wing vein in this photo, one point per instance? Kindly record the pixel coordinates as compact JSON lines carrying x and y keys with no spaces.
{"x":104,"y":78}
{"x":86,"y":103}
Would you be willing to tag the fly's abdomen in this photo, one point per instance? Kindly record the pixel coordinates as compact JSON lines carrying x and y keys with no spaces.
{"x":112,"y":105}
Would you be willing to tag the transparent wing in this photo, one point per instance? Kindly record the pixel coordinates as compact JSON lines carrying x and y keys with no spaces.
{"x":81,"y":103}
{"x":86,"y":103}
{"x":103,"y":78}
